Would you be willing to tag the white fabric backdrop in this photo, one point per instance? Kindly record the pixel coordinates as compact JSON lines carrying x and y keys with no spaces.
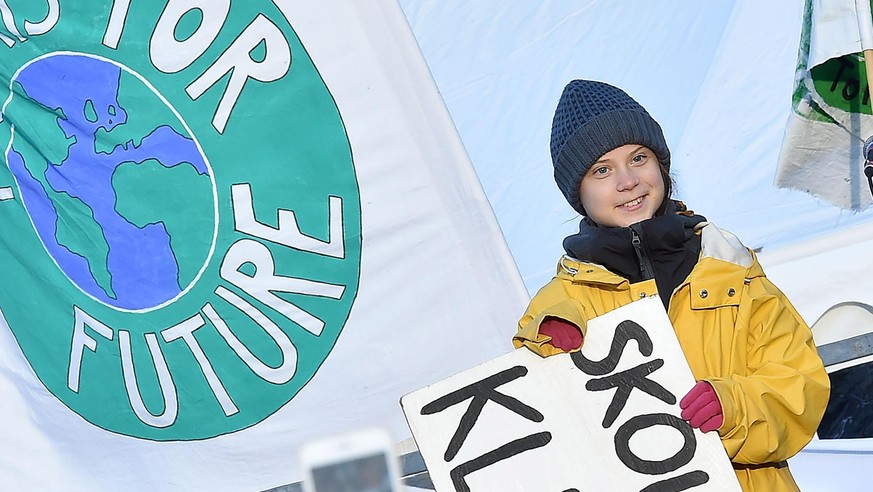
{"x":439,"y":292}
{"x":718,"y":78}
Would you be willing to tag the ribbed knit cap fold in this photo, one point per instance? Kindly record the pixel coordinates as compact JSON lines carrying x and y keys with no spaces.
{"x":591,"y":119}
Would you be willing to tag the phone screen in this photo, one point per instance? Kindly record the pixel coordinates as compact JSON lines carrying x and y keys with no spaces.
{"x":363,"y":474}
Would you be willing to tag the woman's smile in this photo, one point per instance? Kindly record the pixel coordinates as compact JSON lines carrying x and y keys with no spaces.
{"x":633,"y":203}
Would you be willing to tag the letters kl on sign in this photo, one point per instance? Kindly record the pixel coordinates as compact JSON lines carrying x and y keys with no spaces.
{"x":605,"y":418}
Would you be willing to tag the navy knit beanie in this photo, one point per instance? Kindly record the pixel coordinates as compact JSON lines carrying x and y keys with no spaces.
{"x":591,"y":119}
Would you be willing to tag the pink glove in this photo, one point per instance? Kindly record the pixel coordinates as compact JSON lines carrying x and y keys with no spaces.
{"x":565,"y":336}
{"x":701,"y":408}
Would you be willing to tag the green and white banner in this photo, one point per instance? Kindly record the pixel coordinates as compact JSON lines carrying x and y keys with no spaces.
{"x":228,"y":228}
{"x":822,"y":151}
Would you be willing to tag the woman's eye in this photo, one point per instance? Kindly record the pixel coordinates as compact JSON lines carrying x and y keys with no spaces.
{"x":601,"y":170}
{"x":639,"y":158}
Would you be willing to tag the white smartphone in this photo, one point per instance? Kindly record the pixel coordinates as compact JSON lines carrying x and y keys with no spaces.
{"x":361,"y":461}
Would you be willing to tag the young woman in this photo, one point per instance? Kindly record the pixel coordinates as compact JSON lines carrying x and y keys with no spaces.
{"x":761,"y":384}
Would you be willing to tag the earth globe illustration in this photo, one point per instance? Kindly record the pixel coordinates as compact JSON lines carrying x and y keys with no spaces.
{"x":116,"y":186}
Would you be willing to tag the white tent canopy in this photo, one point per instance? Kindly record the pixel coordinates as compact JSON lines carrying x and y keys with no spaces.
{"x":718,"y":76}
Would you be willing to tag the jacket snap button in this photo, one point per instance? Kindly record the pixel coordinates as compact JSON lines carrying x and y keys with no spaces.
{"x":731,"y":292}
{"x":642,"y":295}
{"x":589,"y":271}
{"x":704,"y":293}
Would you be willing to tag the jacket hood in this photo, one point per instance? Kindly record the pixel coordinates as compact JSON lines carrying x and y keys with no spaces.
{"x":715,"y":243}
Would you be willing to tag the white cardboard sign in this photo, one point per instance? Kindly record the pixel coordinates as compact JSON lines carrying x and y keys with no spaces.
{"x":606,"y":418}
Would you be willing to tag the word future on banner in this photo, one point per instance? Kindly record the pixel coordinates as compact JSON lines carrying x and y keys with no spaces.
{"x":605,"y":418}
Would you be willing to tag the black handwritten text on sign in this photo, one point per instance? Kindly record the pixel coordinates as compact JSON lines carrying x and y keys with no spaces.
{"x":605,"y":418}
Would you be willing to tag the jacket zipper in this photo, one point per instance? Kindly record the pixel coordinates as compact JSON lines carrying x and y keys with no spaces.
{"x":645,"y":266}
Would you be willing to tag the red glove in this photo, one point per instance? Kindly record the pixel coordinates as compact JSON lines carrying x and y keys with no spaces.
{"x":701,"y":408}
{"x":565,"y":336}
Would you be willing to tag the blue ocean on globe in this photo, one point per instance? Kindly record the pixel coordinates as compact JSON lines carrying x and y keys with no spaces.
{"x":84,"y":92}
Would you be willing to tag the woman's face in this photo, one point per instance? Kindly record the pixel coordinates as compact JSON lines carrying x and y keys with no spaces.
{"x":623,"y":187}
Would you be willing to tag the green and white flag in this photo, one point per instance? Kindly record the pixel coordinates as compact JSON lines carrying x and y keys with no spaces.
{"x":228,"y":228}
{"x":822,"y":151}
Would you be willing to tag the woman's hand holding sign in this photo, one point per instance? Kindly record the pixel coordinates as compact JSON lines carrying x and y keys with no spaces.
{"x":701,"y":408}
{"x":565,"y":336}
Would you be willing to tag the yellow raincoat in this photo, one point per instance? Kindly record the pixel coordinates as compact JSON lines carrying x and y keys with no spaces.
{"x":737,"y":330}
